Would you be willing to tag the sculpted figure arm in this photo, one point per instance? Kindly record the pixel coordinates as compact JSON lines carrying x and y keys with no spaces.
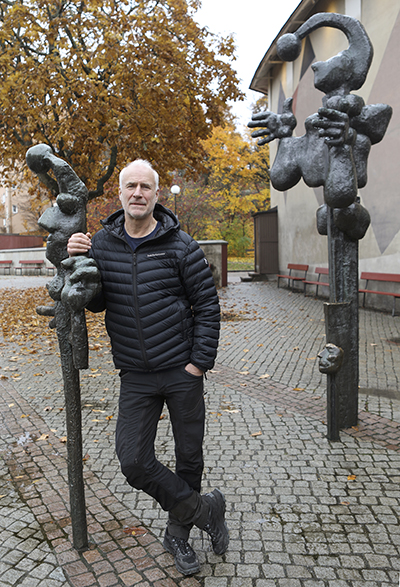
{"x":286,"y":170}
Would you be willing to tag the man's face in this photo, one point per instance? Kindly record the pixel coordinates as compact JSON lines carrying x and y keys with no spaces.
{"x":138,"y":193}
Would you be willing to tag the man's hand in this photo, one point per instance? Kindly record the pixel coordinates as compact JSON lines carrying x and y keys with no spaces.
{"x":190,"y":368}
{"x":79,"y":244}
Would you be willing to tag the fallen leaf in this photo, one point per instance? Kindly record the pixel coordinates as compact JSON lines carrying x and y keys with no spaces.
{"x":135,"y":531}
{"x":63,"y":439}
{"x":344,"y":503}
{"x":256,"y":433}
{"x":264,"y":376}
{"x":43,"y":437}
{"x":351,"y":477}
{"x":298,"y":389}
{"x":111,"y":417}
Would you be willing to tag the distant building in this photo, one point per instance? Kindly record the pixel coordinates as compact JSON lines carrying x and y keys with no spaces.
{"x":16,"y":214}
{"x":299,"y":240}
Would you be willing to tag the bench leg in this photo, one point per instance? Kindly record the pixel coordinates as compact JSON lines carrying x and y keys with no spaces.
{"x":394,"y":306}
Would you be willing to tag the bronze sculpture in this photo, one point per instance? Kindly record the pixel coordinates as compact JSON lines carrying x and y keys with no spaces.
{"x":70,"y":296}
{"x":333,"y":153}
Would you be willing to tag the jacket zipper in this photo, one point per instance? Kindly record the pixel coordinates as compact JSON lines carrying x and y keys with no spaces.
{"x":136,"y":303}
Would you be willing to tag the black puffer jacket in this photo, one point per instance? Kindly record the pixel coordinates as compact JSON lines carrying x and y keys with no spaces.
{"x":161,"y":304}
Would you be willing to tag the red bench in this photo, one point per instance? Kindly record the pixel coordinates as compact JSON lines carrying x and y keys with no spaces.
{"x":292,"y":278}
{"x":36,"y":266}
{"x":6,"y":266}
{"x":381,"y":277}
{"x":318,"y":271}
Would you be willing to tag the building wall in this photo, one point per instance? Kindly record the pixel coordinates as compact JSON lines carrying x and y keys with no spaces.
{"x":15,"y":214}
{"x":299,"y":240}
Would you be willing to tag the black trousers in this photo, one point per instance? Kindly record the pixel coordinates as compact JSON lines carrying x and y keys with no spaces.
{"x":141,"y":402}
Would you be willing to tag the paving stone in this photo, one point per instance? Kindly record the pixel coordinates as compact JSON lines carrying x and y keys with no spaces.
{"x":295,"y":517}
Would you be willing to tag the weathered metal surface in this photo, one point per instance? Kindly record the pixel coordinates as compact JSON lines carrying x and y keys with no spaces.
{"x":334,"y":154}
{"x":70,"y":296}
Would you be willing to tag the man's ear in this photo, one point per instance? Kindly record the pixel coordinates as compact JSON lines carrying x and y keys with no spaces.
{"x":119,"y":193}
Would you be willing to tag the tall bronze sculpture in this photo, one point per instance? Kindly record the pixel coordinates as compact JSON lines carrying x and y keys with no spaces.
{"x":61,"y":221}
{"x":333,"y":153}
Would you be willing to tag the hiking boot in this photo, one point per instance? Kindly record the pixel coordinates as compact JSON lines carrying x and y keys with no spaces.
{"x":216,"y":527}
{"x":186,"y":560}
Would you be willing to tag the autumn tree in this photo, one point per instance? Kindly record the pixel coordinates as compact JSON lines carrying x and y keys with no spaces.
{"x":235,"y":184}
{"x":104,"y":82}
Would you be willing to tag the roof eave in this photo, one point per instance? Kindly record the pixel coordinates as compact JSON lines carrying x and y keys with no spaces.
{"x":260,"y":81}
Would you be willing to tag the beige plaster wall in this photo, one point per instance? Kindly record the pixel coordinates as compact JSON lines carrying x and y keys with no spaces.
{"x":298,"y":237}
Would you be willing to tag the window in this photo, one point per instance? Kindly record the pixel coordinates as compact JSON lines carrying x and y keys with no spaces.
{"x":14,"y":209}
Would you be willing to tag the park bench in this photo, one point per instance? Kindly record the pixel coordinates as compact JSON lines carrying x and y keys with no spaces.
{"x":319,"y":271}
{"x":292,"y":278}
{"x":25,"y":265}
{"x":381,"y":277}
{"x":6,"y":266}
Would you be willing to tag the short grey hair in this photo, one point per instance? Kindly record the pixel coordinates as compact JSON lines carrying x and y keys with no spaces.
{"x":143,"y":162}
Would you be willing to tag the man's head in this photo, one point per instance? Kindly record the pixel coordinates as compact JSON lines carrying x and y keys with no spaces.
{"x":138,"y":189}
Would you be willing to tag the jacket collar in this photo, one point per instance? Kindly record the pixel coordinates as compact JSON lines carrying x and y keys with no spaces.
{"x":115,"y":222}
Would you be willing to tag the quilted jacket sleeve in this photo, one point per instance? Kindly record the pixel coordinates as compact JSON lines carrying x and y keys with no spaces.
{"x":201,"y":291}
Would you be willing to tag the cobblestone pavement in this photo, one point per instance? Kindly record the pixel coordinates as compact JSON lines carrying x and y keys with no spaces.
{"x":302,"y":511}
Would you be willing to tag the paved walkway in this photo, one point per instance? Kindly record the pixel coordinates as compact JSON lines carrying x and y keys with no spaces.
{"x":302,"y":511}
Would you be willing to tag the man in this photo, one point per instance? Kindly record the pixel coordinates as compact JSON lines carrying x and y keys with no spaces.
{"x":162,"y":315}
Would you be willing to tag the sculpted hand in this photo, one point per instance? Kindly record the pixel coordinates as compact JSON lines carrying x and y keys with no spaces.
{"x":81,"y":284}
{"x":277,"y":126}
{"x":334,"y":126}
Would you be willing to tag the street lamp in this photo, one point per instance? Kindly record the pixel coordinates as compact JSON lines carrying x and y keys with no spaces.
{"x":175,"y":189}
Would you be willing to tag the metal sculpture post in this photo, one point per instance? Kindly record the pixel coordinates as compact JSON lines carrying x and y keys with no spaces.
{"x":61,"y":221}
{"x":334,"y":154}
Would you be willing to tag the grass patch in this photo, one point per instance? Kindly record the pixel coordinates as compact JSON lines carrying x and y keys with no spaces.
{"x":241,"y":263}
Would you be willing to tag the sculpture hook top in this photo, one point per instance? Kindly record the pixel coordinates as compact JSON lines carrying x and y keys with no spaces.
{"x":345,"y":71}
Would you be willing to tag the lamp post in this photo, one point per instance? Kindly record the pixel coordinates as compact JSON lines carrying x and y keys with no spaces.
{"x":175,"y":189}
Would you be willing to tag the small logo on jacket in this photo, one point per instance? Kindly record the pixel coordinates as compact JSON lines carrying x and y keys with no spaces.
{"x":156,"y":254}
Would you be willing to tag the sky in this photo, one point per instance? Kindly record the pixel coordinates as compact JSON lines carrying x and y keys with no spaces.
{"x":254,"y":25}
